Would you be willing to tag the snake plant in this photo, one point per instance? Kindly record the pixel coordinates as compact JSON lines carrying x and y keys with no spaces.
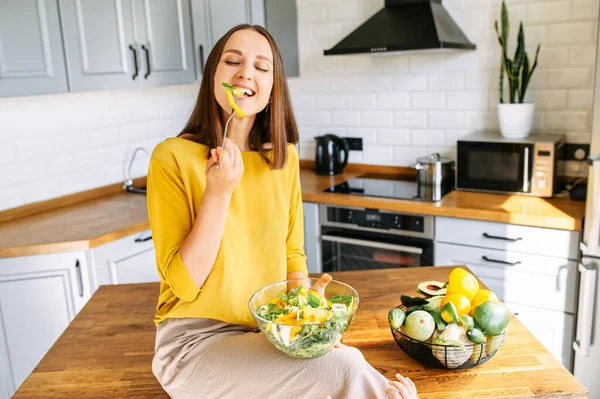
{"x":517,"y":69}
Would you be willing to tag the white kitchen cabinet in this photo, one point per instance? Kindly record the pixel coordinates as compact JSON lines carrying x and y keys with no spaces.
{"x":39,"y":296}
{"x":532,"y":280}
{"x":31,"y":51}
{"x":127,"y":43}
{"x":508,"y":237}
{"x":553,"y":329}
{"x":533,"y":270}
{"x":128,"y":260}
{"x":312,"y":237}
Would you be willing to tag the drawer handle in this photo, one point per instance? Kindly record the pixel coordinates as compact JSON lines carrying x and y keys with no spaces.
{"x":140,"y":239}
{"x":485,"y":258}
{"x":486,"y":235}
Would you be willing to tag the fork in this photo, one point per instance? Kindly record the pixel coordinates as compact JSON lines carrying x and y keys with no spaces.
{"x":225,"y":135}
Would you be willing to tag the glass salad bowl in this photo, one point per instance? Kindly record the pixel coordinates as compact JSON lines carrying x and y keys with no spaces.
{"x":300,"y":323}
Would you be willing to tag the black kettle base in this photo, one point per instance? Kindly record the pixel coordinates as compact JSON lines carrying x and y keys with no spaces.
{"x":327,"y":172}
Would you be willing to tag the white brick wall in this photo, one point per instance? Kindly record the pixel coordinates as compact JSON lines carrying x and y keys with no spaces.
{"x":409,"y":104}
{"x":55,"y":145}
{"x":403,"y":105}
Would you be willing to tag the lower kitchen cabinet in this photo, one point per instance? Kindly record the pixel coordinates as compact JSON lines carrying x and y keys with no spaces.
{"x":539,"y":289}
{"x":312,"y":237}
{"x":39,"y":296}
{"x":554,"y":279}
{"x":125,"y":261}
{"x":553,"y":329}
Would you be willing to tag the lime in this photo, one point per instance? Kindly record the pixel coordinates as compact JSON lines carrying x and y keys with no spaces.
{"x":491,"y":317}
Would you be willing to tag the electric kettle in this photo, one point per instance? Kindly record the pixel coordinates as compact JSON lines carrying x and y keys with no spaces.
{"x":331,"y":154}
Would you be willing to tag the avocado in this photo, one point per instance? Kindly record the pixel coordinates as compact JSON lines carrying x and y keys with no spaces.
{"x":409,"y":301}
{"x":432,"y":288}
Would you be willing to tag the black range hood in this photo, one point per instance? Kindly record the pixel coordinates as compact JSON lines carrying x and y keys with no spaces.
{"x":405,"y":25}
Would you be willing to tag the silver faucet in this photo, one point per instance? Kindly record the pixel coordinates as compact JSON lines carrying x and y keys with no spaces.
{"x":128,"y":183}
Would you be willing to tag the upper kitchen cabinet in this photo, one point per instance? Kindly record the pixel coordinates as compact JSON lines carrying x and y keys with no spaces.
{"x":164,"y":33}
{"x":31,"y":52}
{"x":281,"y":22}
{"x":100,"y":49}
{"x":127,"y":43}
{"x":213,"y":18}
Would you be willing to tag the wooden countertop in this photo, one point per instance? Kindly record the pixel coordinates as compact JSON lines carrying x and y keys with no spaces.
{"x":93,"y":222}
{"x":76,"y":227}
{"x":555,"y":213}
{"x":107,"y":350}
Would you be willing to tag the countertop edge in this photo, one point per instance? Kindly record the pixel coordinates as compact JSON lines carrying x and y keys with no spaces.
{"x":438,"y":209}
{"x":73,"y":246}
{"x":312,"y":192}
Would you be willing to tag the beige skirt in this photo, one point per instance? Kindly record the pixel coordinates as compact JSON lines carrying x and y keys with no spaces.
{"x":204,"y":358}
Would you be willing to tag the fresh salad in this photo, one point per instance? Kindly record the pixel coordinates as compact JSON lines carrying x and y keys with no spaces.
{"x":304,"y":324}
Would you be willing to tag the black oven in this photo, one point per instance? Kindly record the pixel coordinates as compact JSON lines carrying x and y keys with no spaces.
{"x":363,"y":239}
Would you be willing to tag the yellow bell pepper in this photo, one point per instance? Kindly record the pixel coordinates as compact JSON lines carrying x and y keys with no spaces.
{"x":294,"y":331}
{"x":232,"y":102}
{"x":231,"y":92}
{"x":462,"y":282}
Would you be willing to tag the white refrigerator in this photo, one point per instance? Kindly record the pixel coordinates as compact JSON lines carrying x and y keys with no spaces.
{"x":586,"y":367}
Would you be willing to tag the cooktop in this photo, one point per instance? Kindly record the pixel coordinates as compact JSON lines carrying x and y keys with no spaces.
{"x":398,"y":187}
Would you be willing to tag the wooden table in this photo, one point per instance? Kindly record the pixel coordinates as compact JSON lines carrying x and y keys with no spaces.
{"x":107,"y":350}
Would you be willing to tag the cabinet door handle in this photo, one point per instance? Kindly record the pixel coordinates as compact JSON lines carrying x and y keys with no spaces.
{"x":201,"y":50}
{"x":585,"y":309}
{"x":140,"y":239}
{"x":79,"y":278}
{"x":135,"y":64}
{"x":147,"y":51}
{"x":485,"y":258}
{"x":486,"y":235}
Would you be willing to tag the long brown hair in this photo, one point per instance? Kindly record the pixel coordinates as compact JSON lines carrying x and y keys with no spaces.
{"x":275,"y":124}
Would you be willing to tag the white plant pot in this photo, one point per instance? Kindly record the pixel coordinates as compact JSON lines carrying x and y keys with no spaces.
{"x":516,"y":120}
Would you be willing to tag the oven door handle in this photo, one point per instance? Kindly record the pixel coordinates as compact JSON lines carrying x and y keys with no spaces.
{"x":372,"y":244}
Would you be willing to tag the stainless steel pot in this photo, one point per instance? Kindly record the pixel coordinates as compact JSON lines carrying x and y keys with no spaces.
{"x":434,"y":170}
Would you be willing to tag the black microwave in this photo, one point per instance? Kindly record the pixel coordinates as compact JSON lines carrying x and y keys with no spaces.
{"x":488,"y":162}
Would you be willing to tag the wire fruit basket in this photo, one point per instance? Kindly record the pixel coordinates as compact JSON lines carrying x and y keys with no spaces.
{"x":445,"y":356}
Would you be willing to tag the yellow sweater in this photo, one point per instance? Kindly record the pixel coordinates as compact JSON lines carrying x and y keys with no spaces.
{"x":263,"y":239}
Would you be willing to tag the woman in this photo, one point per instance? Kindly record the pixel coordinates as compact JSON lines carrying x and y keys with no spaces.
{"x":222,"y":233}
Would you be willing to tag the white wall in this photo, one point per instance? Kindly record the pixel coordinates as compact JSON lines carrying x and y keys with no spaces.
{"x":402,"y":105}
{"x":408,"y":105}
{"x":54,"y":145}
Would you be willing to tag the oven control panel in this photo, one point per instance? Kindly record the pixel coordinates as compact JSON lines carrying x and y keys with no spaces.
{"x":375,"y":219}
